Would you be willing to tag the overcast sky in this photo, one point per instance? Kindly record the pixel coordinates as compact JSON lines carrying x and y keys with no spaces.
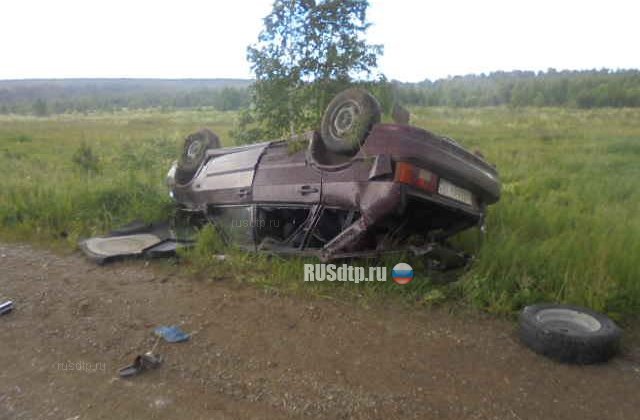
{"x":208,"y":38}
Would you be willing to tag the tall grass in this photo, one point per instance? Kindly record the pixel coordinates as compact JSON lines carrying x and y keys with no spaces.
{"x":76,"y":175}
{"x":566,"y":229}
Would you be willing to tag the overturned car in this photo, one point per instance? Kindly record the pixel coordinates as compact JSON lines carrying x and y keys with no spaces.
{"x":358,"y":188}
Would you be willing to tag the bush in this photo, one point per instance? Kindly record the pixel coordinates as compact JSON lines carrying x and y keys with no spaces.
{"x":86,"y":159}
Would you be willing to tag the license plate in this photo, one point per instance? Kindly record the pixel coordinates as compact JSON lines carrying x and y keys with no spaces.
{"x":450,"y":190}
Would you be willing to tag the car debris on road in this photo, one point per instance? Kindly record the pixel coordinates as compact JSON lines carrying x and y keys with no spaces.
{"x":172,"y":334}
{"x":569,"y":333}
{"x":6,"y":307}
{"x":148,"y":360}
{"x":136,"y":239}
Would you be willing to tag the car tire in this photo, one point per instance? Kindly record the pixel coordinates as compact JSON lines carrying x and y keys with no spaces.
{"x":348,"y":119}
{"x":569,"y":334}
{"x":193,"y":153}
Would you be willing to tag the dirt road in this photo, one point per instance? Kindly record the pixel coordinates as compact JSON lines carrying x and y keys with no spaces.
{"x":258,"y":355}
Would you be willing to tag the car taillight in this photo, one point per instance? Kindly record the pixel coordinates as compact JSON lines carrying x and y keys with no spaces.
{"x":417,"y":177}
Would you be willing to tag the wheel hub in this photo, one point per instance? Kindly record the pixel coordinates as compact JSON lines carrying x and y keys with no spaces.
{"x":194,"y":150}
{"x":345,"y":118}
{"x":567,"y":320}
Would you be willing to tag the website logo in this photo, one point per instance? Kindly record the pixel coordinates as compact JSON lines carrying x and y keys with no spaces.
{"x":344,"y":273}
{"x":402,"y":273}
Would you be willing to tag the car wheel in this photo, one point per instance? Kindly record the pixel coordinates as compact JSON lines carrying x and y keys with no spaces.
{"x":193,"y":153}
{"x":348,"y":119}
{"x":569,"y":334}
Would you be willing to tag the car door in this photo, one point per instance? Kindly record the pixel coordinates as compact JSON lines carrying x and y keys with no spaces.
{"x":283,"y":176}
{"x":236,"y":224}
{"x":282,"y":227}
{"x":343,"y":187}
{"x":227,"y":179}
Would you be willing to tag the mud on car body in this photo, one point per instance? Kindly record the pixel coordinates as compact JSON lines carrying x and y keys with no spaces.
{"x":360,"y":188}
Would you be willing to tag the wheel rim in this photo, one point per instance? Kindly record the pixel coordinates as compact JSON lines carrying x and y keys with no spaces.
{"x":345,"y":118}
{"x":194,"y":149}
{"x":568,"y":321}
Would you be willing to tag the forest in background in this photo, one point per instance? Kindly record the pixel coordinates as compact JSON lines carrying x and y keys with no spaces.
{"x":567,"y":88}
{"x":57,"y":96}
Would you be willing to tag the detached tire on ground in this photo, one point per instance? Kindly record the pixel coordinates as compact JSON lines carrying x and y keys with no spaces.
{"x":193,"y":153}
{"x":569,"y":334}
{"x":348,"y":119}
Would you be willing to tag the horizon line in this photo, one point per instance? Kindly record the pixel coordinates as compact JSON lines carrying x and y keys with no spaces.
{"x":153,"y":78}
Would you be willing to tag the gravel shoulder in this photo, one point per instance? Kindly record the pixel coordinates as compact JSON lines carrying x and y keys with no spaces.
{"x":260,"y":355}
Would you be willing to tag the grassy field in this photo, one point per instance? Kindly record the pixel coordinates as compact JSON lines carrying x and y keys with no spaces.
{"x":567,"y":228}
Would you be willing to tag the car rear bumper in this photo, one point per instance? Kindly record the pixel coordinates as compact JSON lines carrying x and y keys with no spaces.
{"x":475,"y":211}
{"x":440,"y":155}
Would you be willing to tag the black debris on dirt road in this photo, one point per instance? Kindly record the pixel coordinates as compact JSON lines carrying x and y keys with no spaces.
{"x":6,"y":307}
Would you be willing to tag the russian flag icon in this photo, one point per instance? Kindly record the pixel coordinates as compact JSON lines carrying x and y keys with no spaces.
{"x":402,"y":273}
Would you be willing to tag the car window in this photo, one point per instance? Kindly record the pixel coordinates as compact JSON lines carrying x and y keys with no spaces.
{"x":278,"y":225}
{"x":235,"y":223}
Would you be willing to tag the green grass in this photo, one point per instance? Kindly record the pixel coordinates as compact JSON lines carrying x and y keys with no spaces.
{"x":50,"y":191}
{"x":566,"y":229}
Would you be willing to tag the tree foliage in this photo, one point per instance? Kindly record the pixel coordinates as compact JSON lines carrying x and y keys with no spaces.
{"x":307,"y":52}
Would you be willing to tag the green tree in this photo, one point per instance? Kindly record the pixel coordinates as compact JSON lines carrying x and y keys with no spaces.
{"x":230,"y":98}
{"x":307,"y":52}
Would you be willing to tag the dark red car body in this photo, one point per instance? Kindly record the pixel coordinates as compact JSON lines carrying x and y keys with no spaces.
{"x":405,"y":189}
